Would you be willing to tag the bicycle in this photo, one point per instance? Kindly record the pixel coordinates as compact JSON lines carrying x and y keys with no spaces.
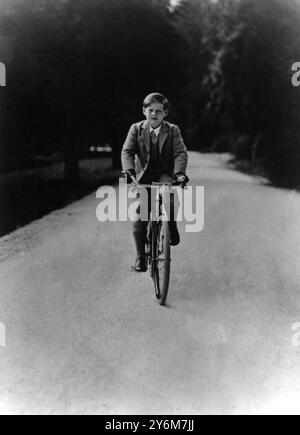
{"x":158,"y":248}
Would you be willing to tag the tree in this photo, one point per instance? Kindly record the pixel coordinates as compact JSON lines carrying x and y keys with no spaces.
{"x":82,"y":80}
{"x":239,"y":56}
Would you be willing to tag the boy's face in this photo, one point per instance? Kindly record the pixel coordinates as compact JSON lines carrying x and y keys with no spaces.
{"x":155,"y":114}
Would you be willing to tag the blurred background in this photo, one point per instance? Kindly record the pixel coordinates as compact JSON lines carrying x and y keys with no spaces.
{"x":78,"y":70}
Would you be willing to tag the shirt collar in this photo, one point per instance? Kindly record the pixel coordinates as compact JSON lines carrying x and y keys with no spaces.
{"x":156,"y":130}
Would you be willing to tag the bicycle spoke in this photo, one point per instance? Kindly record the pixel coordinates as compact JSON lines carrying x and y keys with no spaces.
{"x":162,"y":262}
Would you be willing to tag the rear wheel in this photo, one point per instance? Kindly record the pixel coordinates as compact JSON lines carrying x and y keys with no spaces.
{"x":162,"y":261}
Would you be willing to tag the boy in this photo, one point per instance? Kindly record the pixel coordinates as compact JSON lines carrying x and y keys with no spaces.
{"x":154,"y":151}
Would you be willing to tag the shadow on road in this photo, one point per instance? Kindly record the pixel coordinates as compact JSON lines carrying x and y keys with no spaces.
{"x":23,"y":201}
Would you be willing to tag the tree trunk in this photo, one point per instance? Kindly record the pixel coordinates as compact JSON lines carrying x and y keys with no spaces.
{"x":71,"y":151}
{"x":117,"y":142}
{"x":71,"y":154}
{"x":3,"y":146}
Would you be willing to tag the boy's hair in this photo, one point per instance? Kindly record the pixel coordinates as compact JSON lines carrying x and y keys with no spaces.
{"x":156,"y":98}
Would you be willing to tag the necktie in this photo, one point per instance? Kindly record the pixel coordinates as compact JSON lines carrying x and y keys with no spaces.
{"x":154,"y":138}
{"x":155,"y":147}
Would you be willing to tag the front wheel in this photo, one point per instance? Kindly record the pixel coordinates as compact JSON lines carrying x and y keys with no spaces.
{"x":162,"y":261}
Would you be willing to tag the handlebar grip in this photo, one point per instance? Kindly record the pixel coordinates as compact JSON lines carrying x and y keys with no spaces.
{"x":127,"y":175}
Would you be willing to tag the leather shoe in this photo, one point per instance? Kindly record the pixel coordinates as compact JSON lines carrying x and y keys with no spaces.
{"x":140,"y":264}
{"x":174,"y":234}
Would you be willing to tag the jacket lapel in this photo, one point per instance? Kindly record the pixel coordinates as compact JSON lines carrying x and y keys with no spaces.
{"x":163,"y":136}
{"x":146,"y":135}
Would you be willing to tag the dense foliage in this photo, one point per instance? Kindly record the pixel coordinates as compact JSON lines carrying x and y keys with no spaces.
{"x":79,"y":69}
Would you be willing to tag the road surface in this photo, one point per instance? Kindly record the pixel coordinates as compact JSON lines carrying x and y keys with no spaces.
{"x":84,"y":334}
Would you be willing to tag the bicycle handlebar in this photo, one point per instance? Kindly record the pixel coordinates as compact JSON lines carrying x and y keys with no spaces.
{"x":154,"y":185}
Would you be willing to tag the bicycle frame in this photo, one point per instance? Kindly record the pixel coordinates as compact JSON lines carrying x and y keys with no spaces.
{"x":161,"y":190}
{"x":155,"y":246}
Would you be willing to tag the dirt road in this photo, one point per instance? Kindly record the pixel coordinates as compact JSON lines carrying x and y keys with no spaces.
{"x":85,"y":335}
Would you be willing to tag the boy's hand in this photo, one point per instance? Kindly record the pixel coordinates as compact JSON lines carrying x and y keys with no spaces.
{"x":128,"y":174}
{"x":180,"y":179}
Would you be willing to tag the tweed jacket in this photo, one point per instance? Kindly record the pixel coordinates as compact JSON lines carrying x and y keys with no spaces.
{"x":136,"y":149}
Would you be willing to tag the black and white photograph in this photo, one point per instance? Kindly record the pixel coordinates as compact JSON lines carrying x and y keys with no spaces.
{"x":150,"y":210}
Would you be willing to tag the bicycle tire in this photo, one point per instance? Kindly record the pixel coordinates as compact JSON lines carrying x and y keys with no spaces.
{"x":162,"y":261}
